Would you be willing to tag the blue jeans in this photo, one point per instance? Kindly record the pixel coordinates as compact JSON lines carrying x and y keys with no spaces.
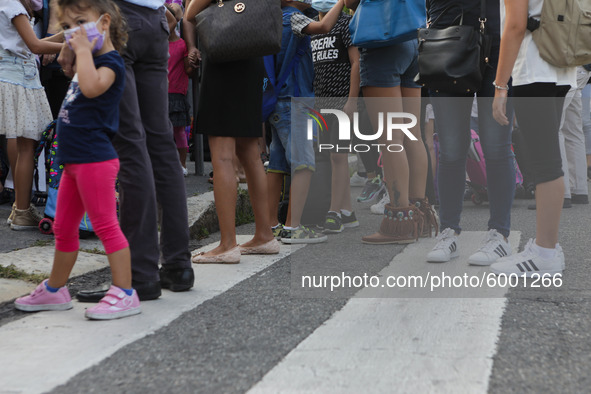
{"x":452,"y":124}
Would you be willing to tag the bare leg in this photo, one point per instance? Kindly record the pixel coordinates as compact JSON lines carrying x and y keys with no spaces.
{"x":415,"y":150}
{"x":120,"y":262}
{"x":274,"y":183}
{"x":549,"y":200}
{"x":340,"y":197}
{"x":23,"y":172}
{"x":63,"y":262}
{"x":300,"y":184}
{"x":183,"y":156}
{"x":224,"y":191}
{"x":396,"y":167}
{"x":248,"y":154}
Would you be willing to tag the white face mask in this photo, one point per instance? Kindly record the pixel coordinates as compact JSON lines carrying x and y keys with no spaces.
{"x":91,"y":32}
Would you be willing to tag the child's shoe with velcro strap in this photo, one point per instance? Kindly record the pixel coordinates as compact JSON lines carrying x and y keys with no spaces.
{"x":42,"y":299}
{"x":115,"y":305}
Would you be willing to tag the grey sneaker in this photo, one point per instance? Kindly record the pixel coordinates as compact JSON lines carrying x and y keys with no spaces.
{"x":26,"y":219}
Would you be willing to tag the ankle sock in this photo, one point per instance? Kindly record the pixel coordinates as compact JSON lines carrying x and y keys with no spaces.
{"x":336,"y":213}
{"x":291,"y":228}
{"x":545,"y":253}
{"x":51,"y":289}
{"x":129,"y":292}
{"x":344,"y":212}
{"x":275,"y":226}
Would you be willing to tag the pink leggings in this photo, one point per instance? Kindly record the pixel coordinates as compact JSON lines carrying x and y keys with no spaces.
{"x":88,"y":187}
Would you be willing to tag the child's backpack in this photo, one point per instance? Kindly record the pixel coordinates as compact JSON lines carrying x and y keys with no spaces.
{"x":272,"y":83}
{"x":564,"y":33}
{"x":49,"y":144}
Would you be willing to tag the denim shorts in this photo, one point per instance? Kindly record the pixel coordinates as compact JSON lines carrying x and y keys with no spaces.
{"x":290,"y":148}
{"x":387,"y":67}
{"x":19,"y":71}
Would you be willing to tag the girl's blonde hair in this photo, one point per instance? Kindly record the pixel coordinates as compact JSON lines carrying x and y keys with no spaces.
{"x":118,"y":28}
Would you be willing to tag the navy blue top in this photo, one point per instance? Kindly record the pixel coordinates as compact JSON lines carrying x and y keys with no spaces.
{"x":85,"y":126}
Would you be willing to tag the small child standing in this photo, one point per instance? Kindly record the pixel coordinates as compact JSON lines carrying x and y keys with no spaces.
{"x":87,"y":121}
{"x":179,"y":69}
{"x":24,"y":109}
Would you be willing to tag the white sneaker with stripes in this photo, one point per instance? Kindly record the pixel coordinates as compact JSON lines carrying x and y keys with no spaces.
{"x":446,"y":247}
{"x":493,"y":248}
{"x":529,"y":263}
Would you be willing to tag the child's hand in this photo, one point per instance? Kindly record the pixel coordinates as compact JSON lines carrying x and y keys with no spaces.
{"x":79,"y":41}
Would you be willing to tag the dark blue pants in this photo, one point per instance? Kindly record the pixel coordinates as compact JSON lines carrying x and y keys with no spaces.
{"x":452,"y":124}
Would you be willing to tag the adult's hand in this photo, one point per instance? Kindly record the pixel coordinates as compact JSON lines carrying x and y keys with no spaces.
{"x":66,"y":59}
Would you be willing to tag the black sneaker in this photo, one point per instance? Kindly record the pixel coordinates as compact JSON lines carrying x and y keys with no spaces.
{"x":333,"y":224}
{"x":579,"y":198}
{"x":349,"y":221}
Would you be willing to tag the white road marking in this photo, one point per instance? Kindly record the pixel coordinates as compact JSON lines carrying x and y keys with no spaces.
{"x":25,"y":343}
{"x":403,"y":345}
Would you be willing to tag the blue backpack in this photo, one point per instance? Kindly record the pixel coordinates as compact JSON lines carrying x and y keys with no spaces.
{"x":272,"y":83}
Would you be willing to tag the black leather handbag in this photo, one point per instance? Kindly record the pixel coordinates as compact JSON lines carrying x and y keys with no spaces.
{"x":230,"y":30}
{"x":453,"y":59}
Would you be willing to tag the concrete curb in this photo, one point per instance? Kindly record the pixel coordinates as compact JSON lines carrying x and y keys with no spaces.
{"x":203,"y":217}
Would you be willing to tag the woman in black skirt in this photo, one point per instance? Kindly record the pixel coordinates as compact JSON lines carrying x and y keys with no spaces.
{"x":230,"y":114}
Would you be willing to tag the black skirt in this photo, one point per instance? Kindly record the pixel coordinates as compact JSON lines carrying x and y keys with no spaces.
{"x":230,"y":98}
{"x":178,"y":110}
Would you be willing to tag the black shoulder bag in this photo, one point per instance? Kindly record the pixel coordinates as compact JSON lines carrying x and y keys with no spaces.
{"x":453,"y":59}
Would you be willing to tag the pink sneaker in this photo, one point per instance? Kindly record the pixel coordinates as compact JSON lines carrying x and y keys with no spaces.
{"x":42,"y":300}
{"x":114,"y":305}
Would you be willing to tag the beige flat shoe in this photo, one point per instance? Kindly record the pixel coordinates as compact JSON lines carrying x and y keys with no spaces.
{"x":231,"y":256}
{"x":271,"y":247}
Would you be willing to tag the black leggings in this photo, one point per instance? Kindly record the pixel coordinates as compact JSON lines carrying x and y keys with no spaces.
{"x":538,"y":108}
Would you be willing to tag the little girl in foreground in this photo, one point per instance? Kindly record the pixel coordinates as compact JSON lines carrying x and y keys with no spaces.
{"x":87,"y":121}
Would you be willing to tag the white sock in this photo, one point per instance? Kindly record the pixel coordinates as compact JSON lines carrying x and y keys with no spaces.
{"x":345,"y":212}
{"x":545,"y":253}
{"x":336,"y":213}
{"x":291,"y":228}
{"x":277,"y":225}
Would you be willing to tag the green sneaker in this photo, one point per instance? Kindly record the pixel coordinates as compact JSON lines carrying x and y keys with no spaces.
{"x":302,"y":235}
{"x":333,"y":224}
{"x":277,"y":231}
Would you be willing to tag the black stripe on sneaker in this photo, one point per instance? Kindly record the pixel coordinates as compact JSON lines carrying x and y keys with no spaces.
{"x":452,"y":247}
{"x":526,"y":266}
{"x":533,"y":265}
{"x":503,"y":249}
{"x":520,"y":268}
{"x":498,"y":252}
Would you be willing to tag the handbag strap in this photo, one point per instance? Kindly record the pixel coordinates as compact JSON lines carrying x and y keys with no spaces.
{"x":481,"y":19}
